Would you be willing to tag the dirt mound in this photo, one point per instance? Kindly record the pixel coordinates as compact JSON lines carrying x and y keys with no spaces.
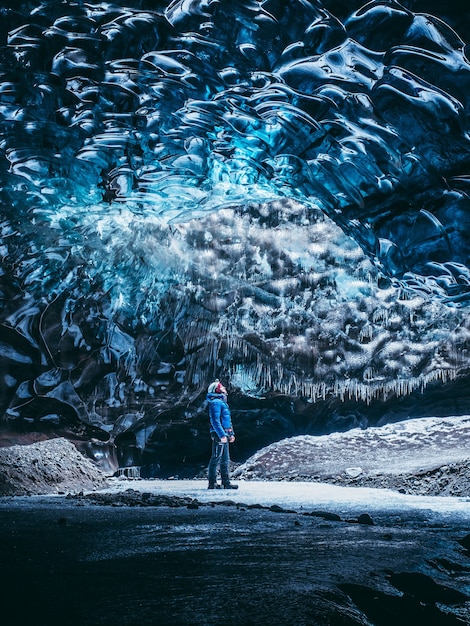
{"x":52,"y":466}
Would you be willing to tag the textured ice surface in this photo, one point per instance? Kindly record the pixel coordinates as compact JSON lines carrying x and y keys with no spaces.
{"x":273,"y":191}
{"x":114,"y":115}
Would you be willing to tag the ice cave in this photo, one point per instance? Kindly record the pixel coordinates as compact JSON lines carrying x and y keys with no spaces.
{"x":275,"y":193}
{"x":271,"y":192}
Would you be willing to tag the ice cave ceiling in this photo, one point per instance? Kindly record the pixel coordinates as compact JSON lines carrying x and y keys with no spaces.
{"x":273,"y":192}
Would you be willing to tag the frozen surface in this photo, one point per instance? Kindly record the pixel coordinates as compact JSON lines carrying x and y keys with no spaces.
{"x":313,"y":496}
{"x":227,"y":565}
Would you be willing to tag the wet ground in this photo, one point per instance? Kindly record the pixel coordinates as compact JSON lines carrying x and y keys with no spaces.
{"x":132,"y":560}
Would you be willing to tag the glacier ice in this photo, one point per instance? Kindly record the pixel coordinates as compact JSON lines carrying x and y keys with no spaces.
{"x":273,"y":191}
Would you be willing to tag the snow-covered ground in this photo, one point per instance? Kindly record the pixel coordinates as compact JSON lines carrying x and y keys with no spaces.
{"x":420,"y":465}
{"x":306,"y":496}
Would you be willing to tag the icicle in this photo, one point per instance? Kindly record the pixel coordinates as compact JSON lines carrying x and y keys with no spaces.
{"x":132,"y":473}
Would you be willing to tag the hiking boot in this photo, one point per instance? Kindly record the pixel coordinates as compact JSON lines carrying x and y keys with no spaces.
{"x":216,"y":486}
{"x":230,"y":486}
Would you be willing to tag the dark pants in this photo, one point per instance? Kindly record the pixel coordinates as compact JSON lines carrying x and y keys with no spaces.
{"x":220,"y":456}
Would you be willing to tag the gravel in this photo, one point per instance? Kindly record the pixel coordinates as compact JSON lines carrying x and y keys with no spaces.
{"x":46,"y":467}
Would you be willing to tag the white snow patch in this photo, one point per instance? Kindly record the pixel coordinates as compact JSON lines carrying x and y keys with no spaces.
{"x":410,"y":445}
{"x":307,"y":496}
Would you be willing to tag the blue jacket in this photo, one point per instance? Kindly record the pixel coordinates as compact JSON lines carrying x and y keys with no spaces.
{"x":219,"y":415}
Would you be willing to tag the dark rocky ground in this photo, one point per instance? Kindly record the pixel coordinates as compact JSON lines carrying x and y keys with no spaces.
{"x":449,"y":479}
{"x":97,"y":552}
{"x":134,"y":558}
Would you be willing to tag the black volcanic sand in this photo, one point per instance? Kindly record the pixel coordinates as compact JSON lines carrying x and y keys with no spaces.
{"x":136,"y":560}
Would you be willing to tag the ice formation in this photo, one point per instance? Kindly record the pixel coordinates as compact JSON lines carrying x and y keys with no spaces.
{"x":275,"y":191}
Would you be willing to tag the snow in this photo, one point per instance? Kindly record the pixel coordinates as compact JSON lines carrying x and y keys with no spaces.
{"x":307,"y":496}
{"x":413,"y":445}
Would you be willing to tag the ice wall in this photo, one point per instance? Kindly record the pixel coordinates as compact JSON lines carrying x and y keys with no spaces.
{"x":276,"y":192}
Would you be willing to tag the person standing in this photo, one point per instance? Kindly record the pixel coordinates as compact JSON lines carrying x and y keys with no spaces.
{"x":222,"y":434}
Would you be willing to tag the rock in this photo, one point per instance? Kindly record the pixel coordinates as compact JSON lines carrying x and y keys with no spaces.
{"x":427,"y":456}
{"x":425,"y":589}
{"x":326,"y":515}
{"x":353,"y":472}
{"x":51,"y":466}
{"x":277,"y":509}
{"x":465,"y":542}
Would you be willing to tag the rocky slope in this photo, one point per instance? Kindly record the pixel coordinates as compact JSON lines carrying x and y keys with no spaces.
{"x":421,"y":456}
{"x":52,"y":466}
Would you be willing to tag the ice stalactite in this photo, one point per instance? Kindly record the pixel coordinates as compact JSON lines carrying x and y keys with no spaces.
{"x":275,"y":192}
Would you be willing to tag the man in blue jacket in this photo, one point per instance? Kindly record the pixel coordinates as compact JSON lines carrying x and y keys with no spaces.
{"x":222,"y":435}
